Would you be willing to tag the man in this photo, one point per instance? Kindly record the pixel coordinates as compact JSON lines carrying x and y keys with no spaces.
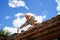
{"x":29,"y":20}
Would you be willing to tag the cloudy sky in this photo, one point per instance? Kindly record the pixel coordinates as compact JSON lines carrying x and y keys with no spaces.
{"x":12,"y":12}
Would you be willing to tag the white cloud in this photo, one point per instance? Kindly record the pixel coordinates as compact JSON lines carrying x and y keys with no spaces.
{"x":58,"y":13}
{"x":10,"y":29}
{"x":40,"y":18}
{"x":19,"y":21}
{"x":19,"y":14}
{"x":7,"y":17}
{"x":17,"y":3}
{"x":58,"y":6}
{"x":14,"y":29}
{"x":58,"y":1}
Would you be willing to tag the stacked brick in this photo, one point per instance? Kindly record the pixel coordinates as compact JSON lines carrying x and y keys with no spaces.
{"x":50,"y":29}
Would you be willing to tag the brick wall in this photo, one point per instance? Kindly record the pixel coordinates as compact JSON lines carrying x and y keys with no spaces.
{"x":3,"y":37}
{"x":50,"y":30}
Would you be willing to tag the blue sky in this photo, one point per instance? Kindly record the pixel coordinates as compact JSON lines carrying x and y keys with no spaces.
{"x":10,"y":8}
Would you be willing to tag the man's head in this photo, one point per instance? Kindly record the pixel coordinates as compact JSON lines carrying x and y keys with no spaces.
{"x":27,"y":16}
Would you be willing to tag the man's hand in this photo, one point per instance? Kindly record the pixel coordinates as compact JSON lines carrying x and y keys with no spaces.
{"x":22,"y":26}
{"x":35,"y":22}
{"x":18,"y":30}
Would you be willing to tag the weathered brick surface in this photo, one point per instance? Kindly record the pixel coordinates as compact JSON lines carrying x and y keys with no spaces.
{"x":50,"y":30}
{"x":3,"y":37}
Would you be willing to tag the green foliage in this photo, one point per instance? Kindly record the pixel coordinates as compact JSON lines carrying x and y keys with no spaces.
{"x":2,"y":32}
{"x":7,"y":33}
